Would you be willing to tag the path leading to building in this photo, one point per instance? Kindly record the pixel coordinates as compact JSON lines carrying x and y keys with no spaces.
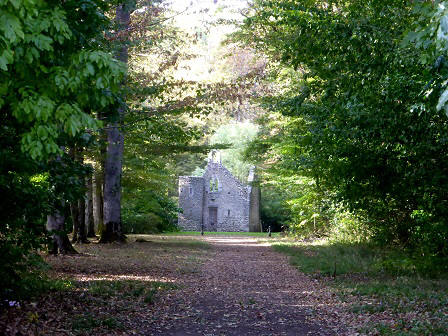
{"x":178,"y":285}
{"x":245,"y":288}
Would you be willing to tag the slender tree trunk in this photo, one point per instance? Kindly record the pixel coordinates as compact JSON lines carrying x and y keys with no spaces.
{"x":114,"y":156}
{"x":59,"y":239}
{"x":89,"y":209}
{"x":74,"y":211}
{"x":82,"y":233}
{"x":98,"y":201}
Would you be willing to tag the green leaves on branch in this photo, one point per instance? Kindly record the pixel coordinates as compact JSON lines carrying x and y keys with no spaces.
{"x":45,"y":81}
{"x":363,"y":111}
{"x":430,"y":35}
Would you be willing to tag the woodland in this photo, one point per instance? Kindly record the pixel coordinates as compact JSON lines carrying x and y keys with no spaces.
{"x":342,"y":106}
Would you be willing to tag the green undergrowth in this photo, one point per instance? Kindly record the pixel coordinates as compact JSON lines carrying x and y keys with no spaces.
{"x":33,"y":284}
{"x":123,"y":295}
{"x":88,"y":321}
{"x":376,"y":281}
{"x":160,"y":241}
{"x":124,"y":288}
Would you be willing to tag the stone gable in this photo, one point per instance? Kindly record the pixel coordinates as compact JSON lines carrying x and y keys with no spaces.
{"x":218,"y":201}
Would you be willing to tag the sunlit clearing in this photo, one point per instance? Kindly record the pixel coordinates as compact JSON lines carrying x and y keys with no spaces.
{"x":233,"y":241}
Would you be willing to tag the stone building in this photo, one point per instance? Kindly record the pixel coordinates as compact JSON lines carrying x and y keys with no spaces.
{"x":218,"y":200}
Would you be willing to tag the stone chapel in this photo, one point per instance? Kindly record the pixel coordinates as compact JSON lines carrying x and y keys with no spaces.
{"x":218,"y":201}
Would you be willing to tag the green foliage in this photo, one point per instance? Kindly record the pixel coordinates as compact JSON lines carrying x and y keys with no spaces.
{"x":237,"y":135}
{"x":150,"y":214}
{"x":88,"y":321}
{"x":149,"y":175}
{"x":49,"y":83}
{"x":145,"y":291}
{"x":26,"y":198}
{"x":273,"y":210}
{"x":325,"y":256}
{"x":430,"y":36}
{"x":148,"y":223}
{"x":354,"y":118}
{"x":54,"y":72}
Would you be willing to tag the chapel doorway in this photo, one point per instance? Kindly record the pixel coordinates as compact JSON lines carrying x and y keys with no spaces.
{"x":213,"y":219}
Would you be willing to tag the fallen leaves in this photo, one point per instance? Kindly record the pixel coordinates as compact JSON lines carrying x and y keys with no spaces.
{"x":206,"y":286}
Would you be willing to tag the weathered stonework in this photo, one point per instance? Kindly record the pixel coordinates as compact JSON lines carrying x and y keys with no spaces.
{"x":218,"y":201}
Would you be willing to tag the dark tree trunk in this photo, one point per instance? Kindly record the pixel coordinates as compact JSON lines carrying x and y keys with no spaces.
{"x":89,"y":209}
{"x":59,"y":239}
{"x":112,"y":188}
{"x":82,"y":232}
{"x":74,"y":211}
{"x":115,"y":145}
{"x":98,"y":201}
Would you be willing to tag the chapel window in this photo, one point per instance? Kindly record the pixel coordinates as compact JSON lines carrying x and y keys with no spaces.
{"x":214,"y":184}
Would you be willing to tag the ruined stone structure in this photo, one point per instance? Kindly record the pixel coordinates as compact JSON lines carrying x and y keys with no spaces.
{"x":218,"y":201}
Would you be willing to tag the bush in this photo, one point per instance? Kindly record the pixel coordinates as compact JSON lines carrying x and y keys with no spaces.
{"x":22,"y":224}
{"x":146,"y":224}
{"x":152,"y":213}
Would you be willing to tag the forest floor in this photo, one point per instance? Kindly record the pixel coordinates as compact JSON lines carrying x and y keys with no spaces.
{"x":191,"y":285}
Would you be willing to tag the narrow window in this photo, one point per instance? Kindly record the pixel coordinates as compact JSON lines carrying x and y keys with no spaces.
{"x":214,"y":184}
{"x":191,"y":191}
{"x":228,"y":212}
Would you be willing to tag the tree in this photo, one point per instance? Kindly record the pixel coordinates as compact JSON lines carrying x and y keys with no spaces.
{"x":90,"y":224}
{"x":52,"y":75}
{"x":115,"y":146}
{"x":357,"y":122}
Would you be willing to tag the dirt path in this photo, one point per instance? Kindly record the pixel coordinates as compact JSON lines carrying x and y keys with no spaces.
{"x":178,"y":285}
{"x":245,"y":288}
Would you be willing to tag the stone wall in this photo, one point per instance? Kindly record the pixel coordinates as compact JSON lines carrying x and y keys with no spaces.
{"x":191,"y":193}
{"x":219,"y":193}
{"x":231,"y":200}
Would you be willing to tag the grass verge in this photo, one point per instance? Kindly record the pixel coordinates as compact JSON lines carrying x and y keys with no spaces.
{"x":229,"y":234}
{"x":377,"y":285}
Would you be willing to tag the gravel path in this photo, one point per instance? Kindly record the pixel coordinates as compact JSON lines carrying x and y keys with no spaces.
{"x":245,"y":288}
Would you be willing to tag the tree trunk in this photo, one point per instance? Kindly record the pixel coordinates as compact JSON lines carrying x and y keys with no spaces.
{"x":114,"y":156}
{"x":82,"y":232}
{"x":89,"y":209}
{"x":112,"y":188}
{"x":98,"y":201}
{"x":74,"y":211}
{"x":60,"y":242}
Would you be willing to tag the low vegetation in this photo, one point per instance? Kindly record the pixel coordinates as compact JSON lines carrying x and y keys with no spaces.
{"x":242,"y":234}
{"x":383,"y":290}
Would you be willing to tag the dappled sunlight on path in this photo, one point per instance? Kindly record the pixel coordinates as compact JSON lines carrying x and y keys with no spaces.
{"x":181,"y":285}
{"x":245,"y":288}
{"x":109,"y":277}
{"x":235,"y":241}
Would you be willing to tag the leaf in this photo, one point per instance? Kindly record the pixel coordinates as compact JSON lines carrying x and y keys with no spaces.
{"x":99,"y":83}
{"x":5,"y":59}
{"x":90,"y":69}
{"x":15,"y":3}
{"x":442,"y":100}
{"x":11,"y":27}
